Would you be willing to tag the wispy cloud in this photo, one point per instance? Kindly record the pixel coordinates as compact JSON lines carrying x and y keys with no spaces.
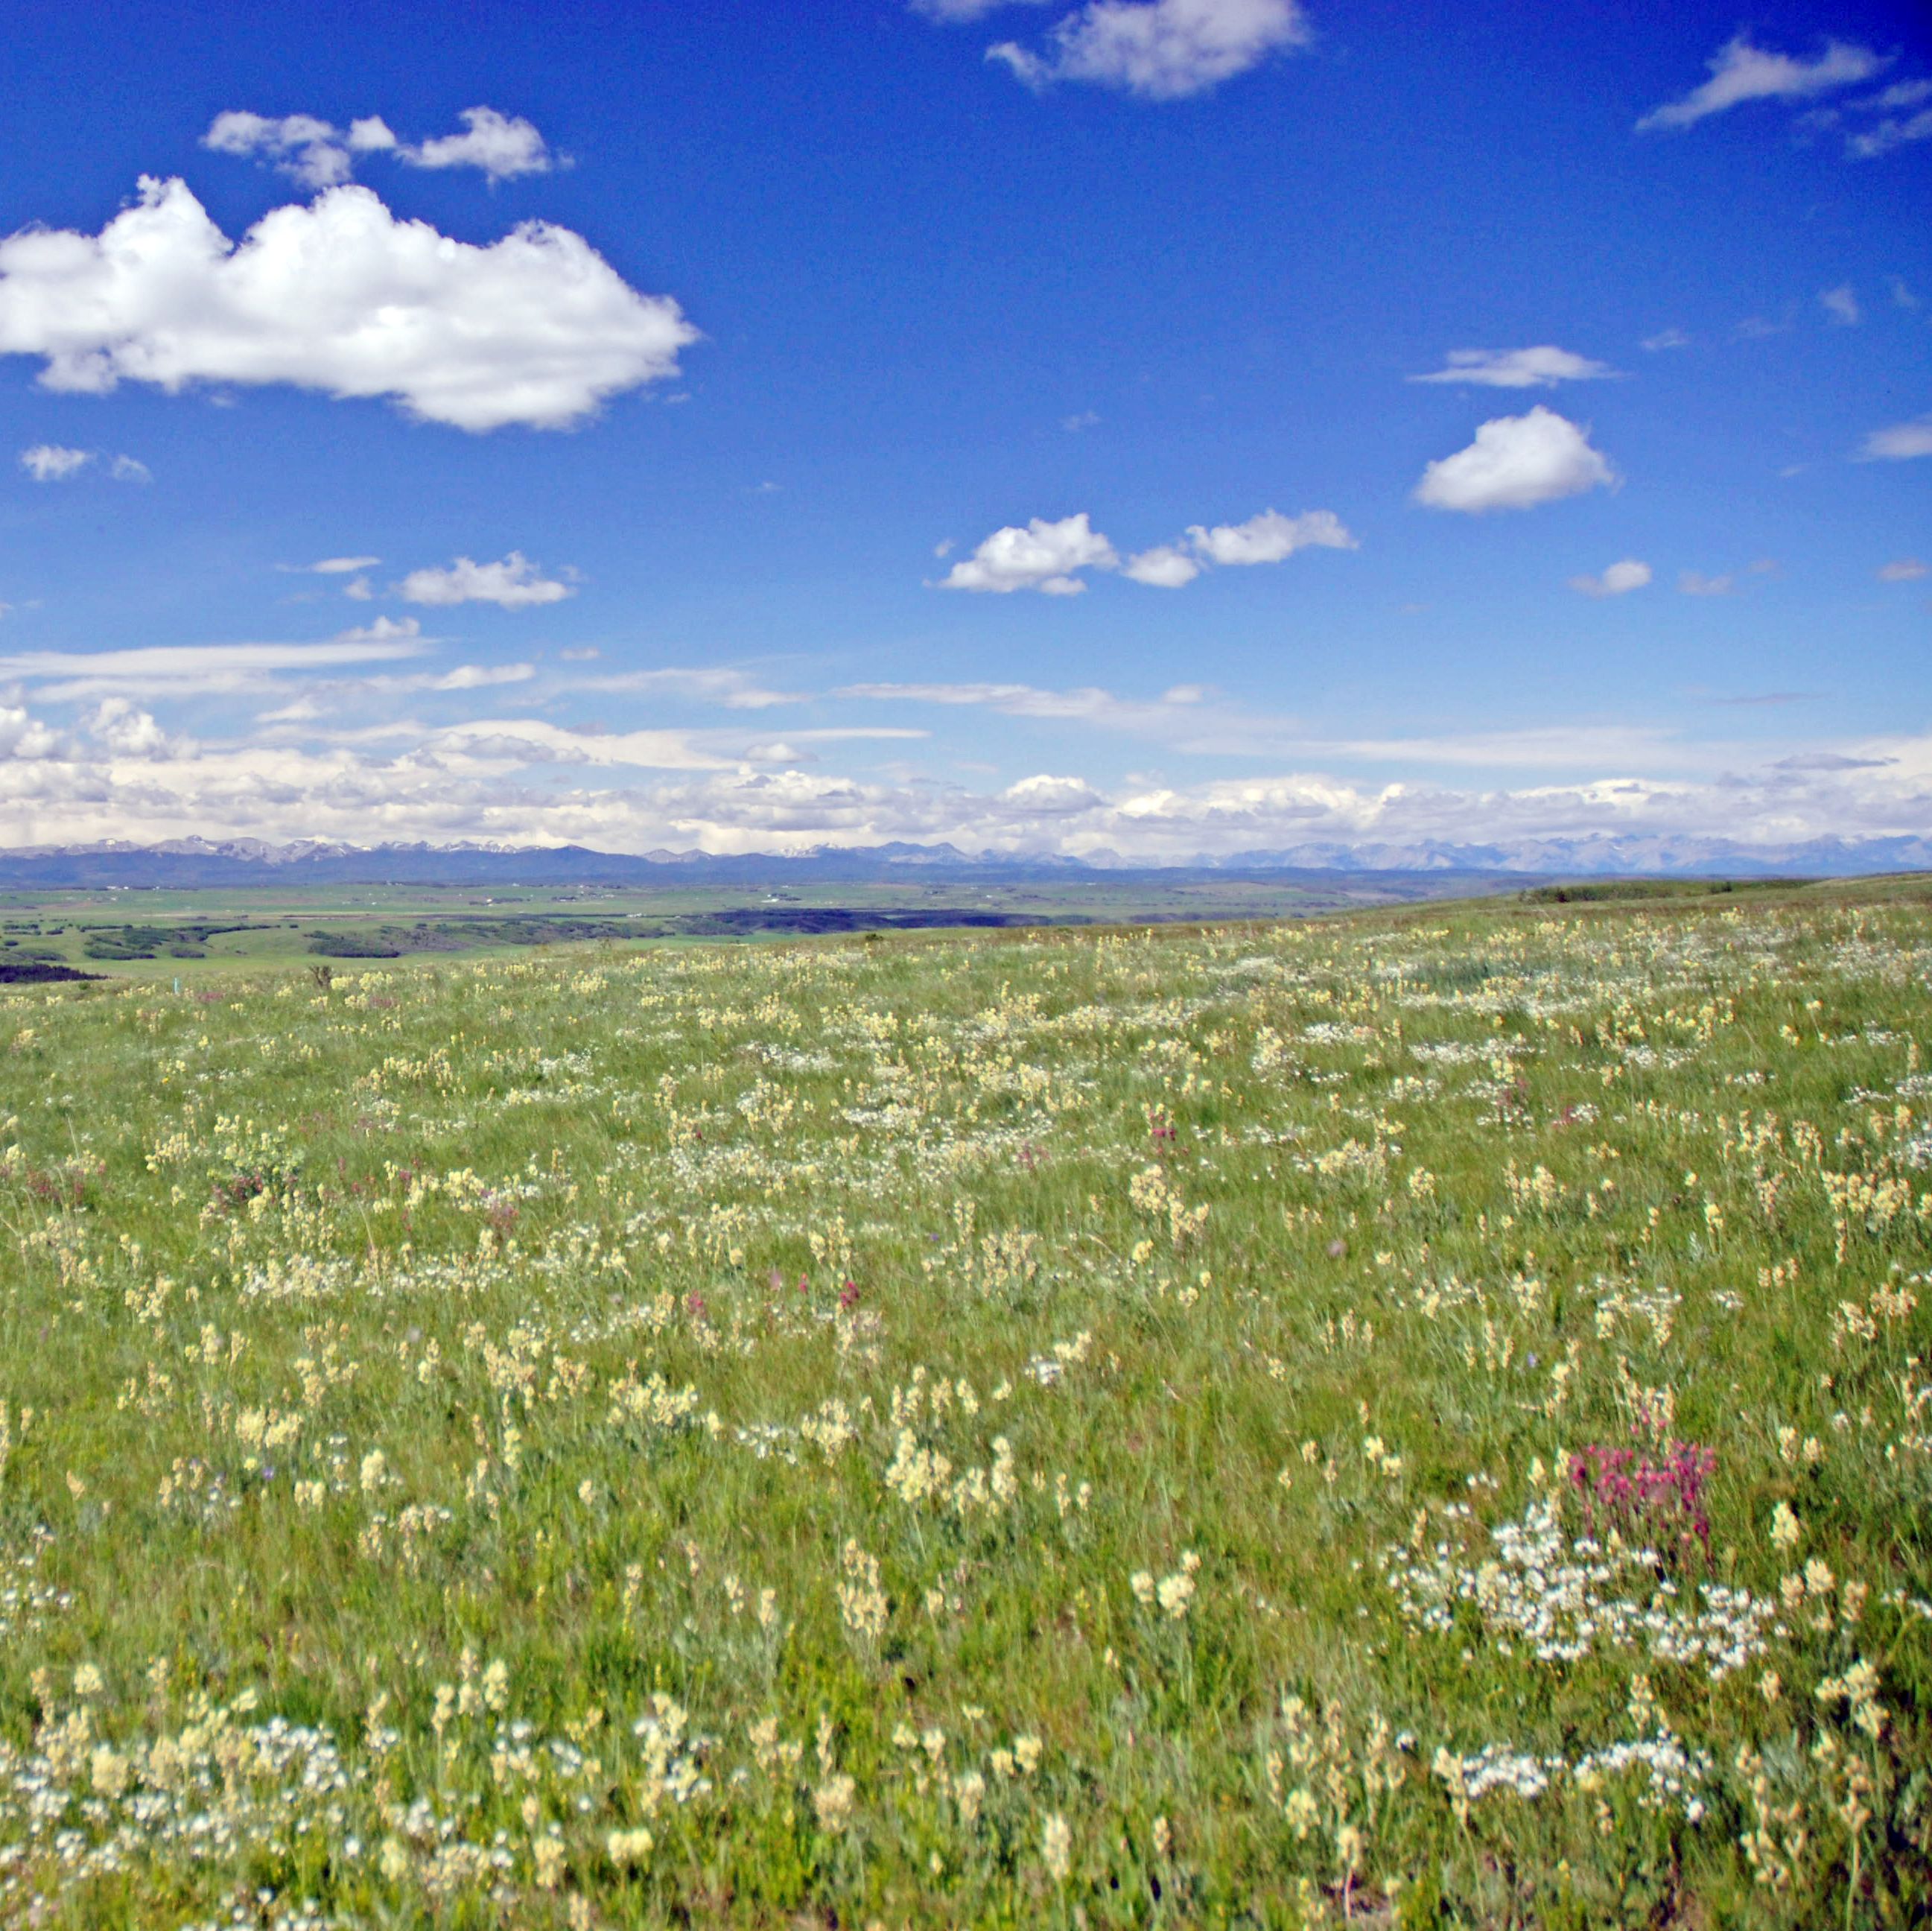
{"x":170,"y":669}
{"x":1695,"y":583}
{"x":1190,"y":719}
{"x":1542,"y":368}
{"x":1740,"y":71}
{"x":1616,"y":580}
{"x":1841,"y":304}
{"x":1184,"y":718}
{"x":735,"y":689}
{"x":1896,"y":130}
{"x":48,"y":462}
{"x":1900,"y":443}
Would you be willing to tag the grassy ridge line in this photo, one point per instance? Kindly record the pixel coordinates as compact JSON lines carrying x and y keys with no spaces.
{"x":943,"y":1430}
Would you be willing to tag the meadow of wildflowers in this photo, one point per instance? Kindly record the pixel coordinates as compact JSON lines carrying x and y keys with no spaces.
{"x":1418,"y":1419}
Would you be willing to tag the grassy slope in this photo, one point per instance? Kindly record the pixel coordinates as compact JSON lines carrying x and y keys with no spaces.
{"x":472,"y":1348}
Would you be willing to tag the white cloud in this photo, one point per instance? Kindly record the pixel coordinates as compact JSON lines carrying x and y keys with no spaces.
{"x":1694,"y":583}
{"x":502,"y":146}
{"x":384,"y":630}
{"x":1618,"y":580}
{"x":530,"y":741}
{"x":1548,"y":748}
{"x":1187,"y":718}
{"x":1515,"y":463}
{"x":1902,"y":439}
{"x":172,"y":669}
{"x":1890,"y":134}
{"x":1045,"y":556}
{"x":732,"y":688}
{"x":1906,"y":570}
{"x":23,"y":735}
{"x":1900,"y":94}
{"x":965,"y":9}
{"x":341,"y":566}
{"x":1894,"y":131}
{"x":1271,"y":537}
{"x":1667,"y":339}
{"x":1740,"y":72}
{"x":479,"y":677}
{"x":626,"y":791}
{"x":535,"y":328}
{"x":48,"y":462}
{"x":310,"y":150}
{"x":1042,"y":556}
{"x":1841,"y":304}
{"x":1160,"y":49}
{"x":1047,"y":797}
{"x":1541,"y":368}
{"x":514,"y":584}
{"x":128,"y":732}
{"x":1163,"y":566}
{"x":1190,"y":719}
{"x":1179,"y":716}
{"x":319,"y":154}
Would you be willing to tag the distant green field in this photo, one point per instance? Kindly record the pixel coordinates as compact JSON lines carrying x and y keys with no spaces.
{"x":173,"y":932}
{"x":144,"y":934}
{"x":1416,"y":1418}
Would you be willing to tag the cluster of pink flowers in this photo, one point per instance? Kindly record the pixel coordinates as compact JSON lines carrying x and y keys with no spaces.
{"x":1663,"y":1499}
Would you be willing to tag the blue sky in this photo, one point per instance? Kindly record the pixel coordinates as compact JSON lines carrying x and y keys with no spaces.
{"x":881,"y":439}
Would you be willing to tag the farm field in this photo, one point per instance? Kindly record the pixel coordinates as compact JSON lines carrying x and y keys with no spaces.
{"x":190,"y":933}
{"x":1420,"y":1417}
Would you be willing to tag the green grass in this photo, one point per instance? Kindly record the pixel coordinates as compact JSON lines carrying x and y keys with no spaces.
{"x":1064,"y":1428}
{"x":194,"y":934}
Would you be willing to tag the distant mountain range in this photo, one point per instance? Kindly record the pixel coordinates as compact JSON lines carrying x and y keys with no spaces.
{"x":197,"y":863}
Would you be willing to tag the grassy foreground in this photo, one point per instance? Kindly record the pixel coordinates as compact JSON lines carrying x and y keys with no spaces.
{"x":1421,"y":1419}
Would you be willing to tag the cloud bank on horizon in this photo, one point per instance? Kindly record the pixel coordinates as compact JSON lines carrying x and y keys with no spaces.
{"x":1596,"y":580}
